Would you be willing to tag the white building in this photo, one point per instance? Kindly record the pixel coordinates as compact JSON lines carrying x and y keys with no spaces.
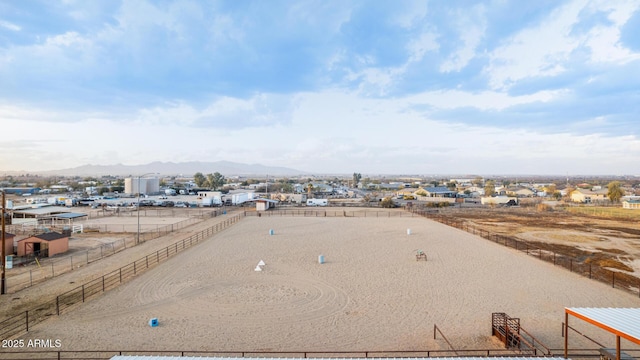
{"x":147,"y":185}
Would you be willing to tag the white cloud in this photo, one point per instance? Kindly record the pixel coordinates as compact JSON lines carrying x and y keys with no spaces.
{"x":327,"y":132}
{"x":471,"y":25}
{"x":536,"y":52}
{"x":223,"y":113}
{"x":422,"y":44}
{"x":545,"y":50}
{"x":410,"y":14}
{"x":485,"y":100}
{"x":9,"y":26}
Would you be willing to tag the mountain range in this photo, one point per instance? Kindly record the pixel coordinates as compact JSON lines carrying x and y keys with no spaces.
{"x":226,"y":168}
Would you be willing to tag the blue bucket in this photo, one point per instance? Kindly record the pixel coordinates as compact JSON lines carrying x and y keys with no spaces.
{"x":153,"y":322}
{"x":271,"y":232}
{"x":321,"y":259}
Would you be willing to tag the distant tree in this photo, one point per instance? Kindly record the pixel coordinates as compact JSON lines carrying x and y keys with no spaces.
{"x":451,"y":185}
{"x":615,"y":191}
{"x":217,"y":181}
{"x":435,"y":183}
{"x":477,"y":181}
{"x":286,"y":188}
{"x":365,"y":182}
{"x":489,"y":188}
{"x":387,"y":202}
{"x":356,"y":179}
{"x":506,"y":183}
{"x":199,"y":179}
{"x":309,"y":189}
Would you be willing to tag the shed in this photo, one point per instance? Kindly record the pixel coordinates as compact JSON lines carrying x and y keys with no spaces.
{"x":44,"y":245}
{"x":622,"y":322}
{"x":264,"y":204}
{"x":8,"y":245}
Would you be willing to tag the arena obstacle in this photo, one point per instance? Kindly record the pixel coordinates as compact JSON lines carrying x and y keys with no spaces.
{"x":408,"y":231}
{"x":261,"y":263}
{"x":320,"y":259}
{"x":258,"y":268}
{"x":153,"y":322}
{"x":270,"y":231}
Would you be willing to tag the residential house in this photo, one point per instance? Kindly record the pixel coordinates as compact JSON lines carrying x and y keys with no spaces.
{"x":588,"y":196}
{"x":631,"y":204}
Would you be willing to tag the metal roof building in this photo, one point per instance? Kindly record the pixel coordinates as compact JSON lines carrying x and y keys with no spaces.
{"x":622,"y":322}
{"x":142,"y":357}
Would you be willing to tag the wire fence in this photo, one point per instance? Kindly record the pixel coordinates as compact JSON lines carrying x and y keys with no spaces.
{"x":20,"y":323}
{"x":36,"y":270}
{"x":617,"y":280}
{"x":365,"y":213}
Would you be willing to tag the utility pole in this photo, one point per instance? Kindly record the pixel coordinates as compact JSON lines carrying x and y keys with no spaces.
{"x":4,"y":239}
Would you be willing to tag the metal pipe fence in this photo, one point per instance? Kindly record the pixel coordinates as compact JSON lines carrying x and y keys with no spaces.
{"x":331,"y":213}
{"x":108,"y":354}
{"x":20,"y":323}
{"x":22,"y":277}
{"x":617,"y":280}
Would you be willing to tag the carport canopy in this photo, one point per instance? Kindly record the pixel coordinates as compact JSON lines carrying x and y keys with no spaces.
{"x":622,"y":322}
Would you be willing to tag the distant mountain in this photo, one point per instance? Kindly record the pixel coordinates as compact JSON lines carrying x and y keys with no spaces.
{"x":226,"y":168}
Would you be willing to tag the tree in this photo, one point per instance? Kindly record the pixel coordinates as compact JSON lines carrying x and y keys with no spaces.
{"x":387,"y":202}
{"x":217,"y":181}
{"x":199,"y":179}
{"x":615,"y":191}
{"x":489,"y":188}
{"x":356,"y":179}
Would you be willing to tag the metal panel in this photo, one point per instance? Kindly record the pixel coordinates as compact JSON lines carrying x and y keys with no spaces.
{"x":624,"y":322}
{"x":140,"y":357}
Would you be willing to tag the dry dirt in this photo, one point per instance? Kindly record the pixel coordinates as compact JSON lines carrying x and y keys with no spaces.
{"x":608,"y":242}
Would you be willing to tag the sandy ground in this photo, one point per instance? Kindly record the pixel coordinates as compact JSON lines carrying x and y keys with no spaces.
{"x":371,"y":294}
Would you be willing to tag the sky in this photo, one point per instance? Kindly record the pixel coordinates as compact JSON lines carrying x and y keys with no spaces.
{"x":323,"y":86}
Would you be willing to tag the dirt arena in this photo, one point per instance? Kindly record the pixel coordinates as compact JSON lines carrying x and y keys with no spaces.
{"x":370,"y":294}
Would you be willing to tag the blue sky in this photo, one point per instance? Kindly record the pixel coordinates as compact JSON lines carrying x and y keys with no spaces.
{"x":376,"y":87}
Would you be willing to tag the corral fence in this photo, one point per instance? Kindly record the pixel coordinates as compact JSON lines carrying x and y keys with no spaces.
{"x":35,"y":271}
{"x":331,"y":213}
{"x":20,"y":323}
{"x":108,"y":354}
{"x":617,"y":280}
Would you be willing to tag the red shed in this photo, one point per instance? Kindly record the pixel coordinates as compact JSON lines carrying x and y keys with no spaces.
{"x":44,"y":245}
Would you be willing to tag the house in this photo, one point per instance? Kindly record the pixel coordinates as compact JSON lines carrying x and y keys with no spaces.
{"x":519,"y":192}
{"x":631,"y":204}
{"x":439,"y":191}
{"x":588,"y":196}
{"x":8,"y":245}
{"x":44,"y":245}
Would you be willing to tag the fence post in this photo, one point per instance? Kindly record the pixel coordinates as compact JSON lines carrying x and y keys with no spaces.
{"x":52,"y":273}
{"x":58,"y":305}
{"x":26,"y":315}
{"x":71,"y":257}
{"x":82,"y":292}
{"x":613,"y":279}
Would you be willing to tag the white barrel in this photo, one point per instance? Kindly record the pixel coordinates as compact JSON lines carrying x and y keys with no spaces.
{"x":408,"y":231}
